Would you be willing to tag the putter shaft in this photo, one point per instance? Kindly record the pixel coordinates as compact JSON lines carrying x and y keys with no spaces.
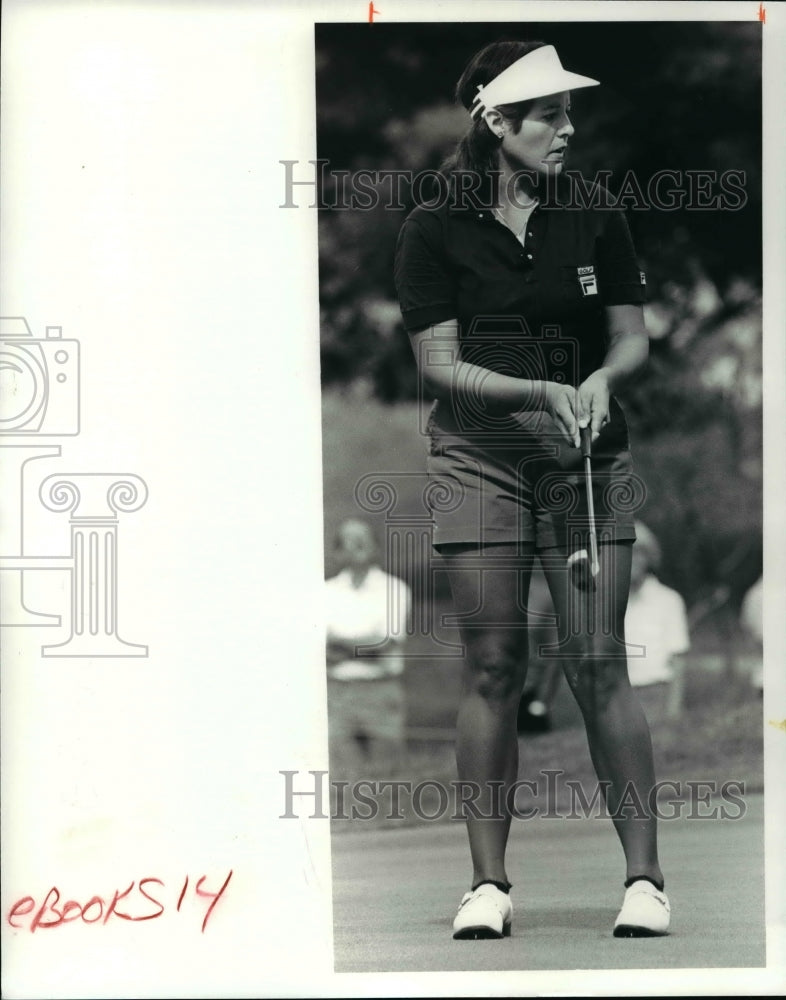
{"x":586,"y":451}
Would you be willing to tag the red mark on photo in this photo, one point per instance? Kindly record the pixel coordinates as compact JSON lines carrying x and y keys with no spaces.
{"x":151,"y":916}
{"x":215,"y":896}
{"x":372,"y":10}
{"x":112,"y":908}
{"x":762,"y":13}
{"x":148,"y":902}
{"x":182,"y":893}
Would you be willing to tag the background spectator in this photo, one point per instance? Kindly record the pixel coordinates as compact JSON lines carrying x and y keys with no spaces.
{"x":367,"y":612}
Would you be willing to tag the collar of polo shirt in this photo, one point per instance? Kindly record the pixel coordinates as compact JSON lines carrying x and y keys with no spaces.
{"x":537,"y":74}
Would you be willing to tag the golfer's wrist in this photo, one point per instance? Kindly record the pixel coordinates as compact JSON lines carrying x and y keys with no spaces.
{"x":539,"y":394}
{"x":610,"y":376}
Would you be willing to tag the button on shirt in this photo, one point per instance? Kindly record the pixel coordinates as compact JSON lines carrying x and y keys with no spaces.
{"x":532,"y":311}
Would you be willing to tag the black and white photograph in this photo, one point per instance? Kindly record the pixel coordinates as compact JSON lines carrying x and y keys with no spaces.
{"x":540,"y":267}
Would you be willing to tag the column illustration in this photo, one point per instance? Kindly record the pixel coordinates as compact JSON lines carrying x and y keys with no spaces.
{"x":408,"y":544}
{"x":94,"y":501}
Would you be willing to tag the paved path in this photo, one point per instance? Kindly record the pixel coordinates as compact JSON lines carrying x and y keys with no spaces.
{"x":395,"y":894}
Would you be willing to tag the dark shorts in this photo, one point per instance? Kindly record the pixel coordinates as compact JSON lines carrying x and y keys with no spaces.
{"x":518,"y":480}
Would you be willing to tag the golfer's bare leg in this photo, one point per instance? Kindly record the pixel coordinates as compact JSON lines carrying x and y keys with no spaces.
{"x":617,"y":731}
{"x":495,"y":641}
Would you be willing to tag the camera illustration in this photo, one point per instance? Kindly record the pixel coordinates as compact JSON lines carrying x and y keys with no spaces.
{"x":39,"y":399}
{"x":501,"y":344}
{"x":39,"y":381}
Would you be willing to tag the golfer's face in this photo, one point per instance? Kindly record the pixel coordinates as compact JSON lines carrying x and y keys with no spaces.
{"x":542,"y":139}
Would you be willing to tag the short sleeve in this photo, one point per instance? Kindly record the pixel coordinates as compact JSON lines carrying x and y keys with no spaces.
{"x":621,"y":280}
{"x":424,"y":283}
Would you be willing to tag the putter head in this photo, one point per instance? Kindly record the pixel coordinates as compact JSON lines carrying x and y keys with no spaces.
{"x":581,"y":571}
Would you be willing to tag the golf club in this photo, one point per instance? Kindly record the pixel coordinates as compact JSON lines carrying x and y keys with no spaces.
{"x":582,"y":565}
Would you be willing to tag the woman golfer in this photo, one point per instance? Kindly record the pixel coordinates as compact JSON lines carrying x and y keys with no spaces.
{"x":524,"y":310}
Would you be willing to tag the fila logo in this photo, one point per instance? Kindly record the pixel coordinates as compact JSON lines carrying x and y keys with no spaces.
{"x":589,"y":285}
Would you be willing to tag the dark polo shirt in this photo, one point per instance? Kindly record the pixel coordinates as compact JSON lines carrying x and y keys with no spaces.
{"x":532,"y":311}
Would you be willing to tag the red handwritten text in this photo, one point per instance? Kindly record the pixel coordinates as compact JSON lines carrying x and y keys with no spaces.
{"x":145,"y":899}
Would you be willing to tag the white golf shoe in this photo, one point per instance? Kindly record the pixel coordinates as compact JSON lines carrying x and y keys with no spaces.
{"x":645,"y":912}
{"x":484,"y":913}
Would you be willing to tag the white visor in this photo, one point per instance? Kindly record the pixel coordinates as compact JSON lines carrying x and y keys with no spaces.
{"x":537,"y":74}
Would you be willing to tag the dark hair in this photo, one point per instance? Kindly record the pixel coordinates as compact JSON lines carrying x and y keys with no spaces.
{"x":477,"y":150}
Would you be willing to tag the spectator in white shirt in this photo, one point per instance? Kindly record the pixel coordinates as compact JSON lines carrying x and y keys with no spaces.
{"x":367,"y":614}
{"x":656,"y":620}
{"x":752,"y":620}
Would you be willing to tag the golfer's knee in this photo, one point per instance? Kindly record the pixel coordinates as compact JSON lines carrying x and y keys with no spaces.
{"x":596,"y":681}
{"x":497,"y":669}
